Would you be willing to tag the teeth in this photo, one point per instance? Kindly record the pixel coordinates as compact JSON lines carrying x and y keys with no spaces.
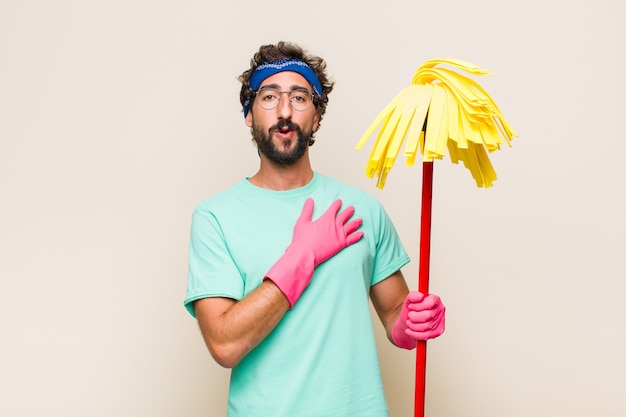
{"x":462,"y":117}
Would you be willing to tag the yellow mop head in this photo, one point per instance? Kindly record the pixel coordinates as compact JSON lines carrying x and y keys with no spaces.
{"x":460,"y":116}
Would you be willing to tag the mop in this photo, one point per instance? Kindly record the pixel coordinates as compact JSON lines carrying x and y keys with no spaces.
{"x":441,"y":110}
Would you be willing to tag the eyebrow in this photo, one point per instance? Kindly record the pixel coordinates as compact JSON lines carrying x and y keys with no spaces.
{"x":294,"y":87}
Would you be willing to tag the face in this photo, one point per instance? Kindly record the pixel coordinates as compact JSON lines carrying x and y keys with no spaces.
{"x":282,"y":134}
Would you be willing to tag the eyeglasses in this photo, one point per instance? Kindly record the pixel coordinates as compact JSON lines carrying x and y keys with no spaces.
{"x":299,"y":98}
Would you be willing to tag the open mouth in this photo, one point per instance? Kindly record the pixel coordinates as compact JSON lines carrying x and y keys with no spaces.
{"x":284,"y":129}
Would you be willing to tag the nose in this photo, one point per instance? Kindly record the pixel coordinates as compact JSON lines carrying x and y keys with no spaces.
{"x":284,"y":105}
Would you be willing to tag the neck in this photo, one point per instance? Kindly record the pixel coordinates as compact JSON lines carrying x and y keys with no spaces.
{"x":281,"y":178}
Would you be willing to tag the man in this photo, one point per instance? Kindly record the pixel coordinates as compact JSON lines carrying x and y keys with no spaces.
{"x":281,"y":265}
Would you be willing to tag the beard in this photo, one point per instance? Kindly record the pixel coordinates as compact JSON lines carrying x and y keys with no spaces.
{"x":279,"y":156}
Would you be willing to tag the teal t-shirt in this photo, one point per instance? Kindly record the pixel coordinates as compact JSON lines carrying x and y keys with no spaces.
{"x":321,"y":359}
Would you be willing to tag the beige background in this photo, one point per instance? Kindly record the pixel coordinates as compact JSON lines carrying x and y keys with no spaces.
{"x":118,"y":117}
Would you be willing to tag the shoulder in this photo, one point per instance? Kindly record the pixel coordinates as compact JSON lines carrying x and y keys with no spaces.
{"x":222,"y":199}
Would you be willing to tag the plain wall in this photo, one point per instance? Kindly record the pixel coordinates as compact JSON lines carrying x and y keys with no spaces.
{"x":118,"y":117}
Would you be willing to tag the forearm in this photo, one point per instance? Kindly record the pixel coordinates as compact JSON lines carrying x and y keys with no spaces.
{"x":389,"y":325}
{"x":387,"y":297}
{"x":232,"y":331}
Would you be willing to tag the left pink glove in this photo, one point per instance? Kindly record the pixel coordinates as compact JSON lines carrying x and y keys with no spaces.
{"x":422,"y":318}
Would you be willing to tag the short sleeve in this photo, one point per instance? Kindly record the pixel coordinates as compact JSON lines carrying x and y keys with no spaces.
{"x":212,"y":271}
{"x":390,"y":253}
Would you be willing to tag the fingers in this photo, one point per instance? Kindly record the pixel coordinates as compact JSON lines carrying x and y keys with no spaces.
{"x":307,"y":210}
{"x":333,"y":208}
{"x":429,"y":312}
{"x":429,"y":302}
{"x":341,"y":219}
{"x":414,"y":297}
{"x":424,"y":330}
{"x":425,"y":318}
{"x":353,"y":238}
{"x":345,"y":215}
{"x":352,"y":226}
{"x":426,"y":334}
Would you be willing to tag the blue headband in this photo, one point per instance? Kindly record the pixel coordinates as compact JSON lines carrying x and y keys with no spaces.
{"x":267,"y":69}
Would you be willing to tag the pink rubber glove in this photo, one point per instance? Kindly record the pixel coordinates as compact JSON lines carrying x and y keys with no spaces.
{"x":313,"y":242}
{"x":422,"y":318}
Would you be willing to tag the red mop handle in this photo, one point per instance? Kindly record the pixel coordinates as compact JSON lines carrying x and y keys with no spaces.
{"x":424,"y":267}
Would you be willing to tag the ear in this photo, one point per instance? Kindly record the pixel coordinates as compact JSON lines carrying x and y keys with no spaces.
{"x":248,"y":118}
{"x":316,"y":122}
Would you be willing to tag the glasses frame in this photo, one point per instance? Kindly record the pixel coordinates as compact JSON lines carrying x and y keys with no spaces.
{"x":280,"y":96}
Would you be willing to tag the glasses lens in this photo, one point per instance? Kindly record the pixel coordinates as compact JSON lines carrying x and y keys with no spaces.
{"x":300,"y":99}
{"x":269,"y":98}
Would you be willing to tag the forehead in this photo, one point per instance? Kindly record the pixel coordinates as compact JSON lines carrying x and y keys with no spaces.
{"x":286,"y":80}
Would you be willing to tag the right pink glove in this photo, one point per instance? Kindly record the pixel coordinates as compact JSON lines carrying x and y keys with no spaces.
{"x":313,"y":242}
{"x":422,"y":318}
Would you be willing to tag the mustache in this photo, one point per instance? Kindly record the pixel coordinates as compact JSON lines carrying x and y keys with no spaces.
{"x":285,"y":123}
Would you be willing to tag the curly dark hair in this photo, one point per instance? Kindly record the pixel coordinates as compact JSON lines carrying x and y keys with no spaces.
{"x":284,"y":50}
